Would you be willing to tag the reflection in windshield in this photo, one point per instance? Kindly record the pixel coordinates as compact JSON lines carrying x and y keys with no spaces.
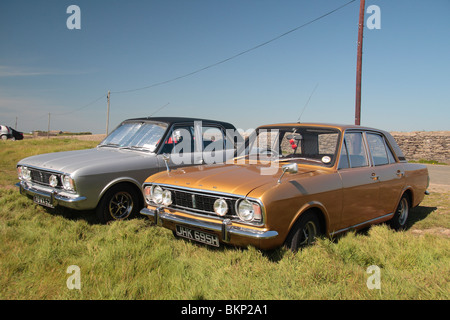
{"x":135,"y":135}
{"x":314,"y":145}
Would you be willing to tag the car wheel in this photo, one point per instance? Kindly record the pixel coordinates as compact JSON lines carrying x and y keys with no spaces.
{"x":4,"y":137}
{"x":304,"y":232}
{"x":119,"y":203}
{"x":400,"y":218}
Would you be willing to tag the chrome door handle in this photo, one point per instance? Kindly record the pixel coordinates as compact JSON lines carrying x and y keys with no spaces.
{"x":400,"y":174}
{"x":374,"y":177}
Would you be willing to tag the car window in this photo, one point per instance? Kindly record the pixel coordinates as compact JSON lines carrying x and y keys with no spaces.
{"x":377,"y":149}
{"x":180,"y":140}
{"x":311,"y":145}
{"x":390,"y":154}
{"x":143,"y":135}
{"x":343,"y":161}
{"x":212,"y":138}
{"x":356,"y":150}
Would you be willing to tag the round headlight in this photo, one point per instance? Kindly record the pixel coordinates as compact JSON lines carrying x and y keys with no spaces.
{"x":166,"y":198}
{"x":26,"y":174}
{"x":220,"y":207}
{"x":157,"y":194}
{"x":249,"y":211}
{"x":53,"y":181}
{"x":67,"y":183}
{"x":148,"y":194}
{"x":245,"y":210}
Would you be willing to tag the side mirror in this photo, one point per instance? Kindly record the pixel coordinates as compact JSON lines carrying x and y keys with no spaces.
{"x":289,"y":168}
{"x":166,"y":158}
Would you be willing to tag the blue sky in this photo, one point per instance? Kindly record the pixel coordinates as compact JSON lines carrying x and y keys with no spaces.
{"x":126,"y":45}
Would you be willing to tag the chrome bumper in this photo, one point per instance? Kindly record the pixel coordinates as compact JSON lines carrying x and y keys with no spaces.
{"x":159,"y":217}
{"x":56,"y":199}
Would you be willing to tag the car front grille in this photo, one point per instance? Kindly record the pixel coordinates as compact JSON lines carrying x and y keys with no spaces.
{"x":201,"y":203}
{"x":43,"y":177}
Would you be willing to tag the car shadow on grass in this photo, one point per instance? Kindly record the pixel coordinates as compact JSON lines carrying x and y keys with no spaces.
{"x":419,"y":213}
{"x":74,"y":215}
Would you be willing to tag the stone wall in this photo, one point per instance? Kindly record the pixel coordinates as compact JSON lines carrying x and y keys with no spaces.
{"x":424,"y":145}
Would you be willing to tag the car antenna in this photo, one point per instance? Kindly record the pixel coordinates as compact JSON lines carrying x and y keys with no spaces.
{"x":160,"y":109}
{"x":306,"y":104}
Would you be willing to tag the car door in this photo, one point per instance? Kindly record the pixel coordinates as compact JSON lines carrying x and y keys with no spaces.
{"x":360,"y":187}
{"x":388,"y":172}
{"x":178,"y":147}
{"x":194,"y":144}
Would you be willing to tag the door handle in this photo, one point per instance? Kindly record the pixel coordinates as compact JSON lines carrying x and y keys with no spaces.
{"x":374,"y":176}
{"x":400,"y":174}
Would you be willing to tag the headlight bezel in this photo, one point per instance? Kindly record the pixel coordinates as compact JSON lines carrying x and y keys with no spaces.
{"x":53,"y":181}
{"x":24,"y":173}
{"x":156,"y":194}
{"x":166,"y":197}
{"x":249,"y":211}
{"x":220,"y":207}
{"x":67,"y":182}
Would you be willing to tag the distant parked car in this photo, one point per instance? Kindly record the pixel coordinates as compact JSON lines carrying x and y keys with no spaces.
{"x":109,"y":177}
{"x":297,"y":181}
{"x":9,"y":133}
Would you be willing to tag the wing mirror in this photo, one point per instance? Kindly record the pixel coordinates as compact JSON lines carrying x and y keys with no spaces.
{"x":166,"y":158}
{"x":289,"y":168}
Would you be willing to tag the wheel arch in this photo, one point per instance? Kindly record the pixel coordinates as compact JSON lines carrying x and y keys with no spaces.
{"x":126,"y":182}
{"x":319,"y":210}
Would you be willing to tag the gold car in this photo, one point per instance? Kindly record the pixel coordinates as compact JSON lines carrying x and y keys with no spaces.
{"x":292,"y":183}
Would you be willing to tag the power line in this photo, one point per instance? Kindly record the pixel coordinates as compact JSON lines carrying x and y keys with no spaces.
{"x":85,"y":106}
{"x":211,"y":65}
{"x":239,"y":54}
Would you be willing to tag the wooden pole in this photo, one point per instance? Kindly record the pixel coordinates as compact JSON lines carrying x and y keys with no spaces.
{"x":359,"y":64}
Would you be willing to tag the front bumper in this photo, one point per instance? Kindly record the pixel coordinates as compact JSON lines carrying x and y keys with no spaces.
{"x":227,"y":232}
{"x":56,"y":198}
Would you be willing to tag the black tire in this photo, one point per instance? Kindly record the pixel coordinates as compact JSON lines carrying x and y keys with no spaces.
{"x":400,"y":218}
{"x":304,"y":232}
{"x":121,"y":202}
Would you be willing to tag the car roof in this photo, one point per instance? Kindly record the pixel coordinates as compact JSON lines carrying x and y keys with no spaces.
{"x":172,"y":120}
{"x":342,"y":127}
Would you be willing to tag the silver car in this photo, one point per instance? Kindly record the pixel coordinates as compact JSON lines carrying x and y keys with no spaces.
{"x":109,"y":178}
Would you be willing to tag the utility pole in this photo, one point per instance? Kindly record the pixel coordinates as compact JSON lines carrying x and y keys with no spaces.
{"x":107,"y":114}
{"x":48,"y":129}
{"x":359,"y":63}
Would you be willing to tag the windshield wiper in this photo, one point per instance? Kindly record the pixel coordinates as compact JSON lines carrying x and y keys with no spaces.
{"x":300,"y":158}
{"x":114,"y":145}
{"x":140,"y":148}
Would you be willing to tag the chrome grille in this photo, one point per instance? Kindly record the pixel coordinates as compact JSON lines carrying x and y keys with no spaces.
{"x":42,"y":177}
{"x":197,"y":202}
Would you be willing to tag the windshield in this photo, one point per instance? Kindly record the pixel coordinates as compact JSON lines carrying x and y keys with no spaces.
{"x":135,"y":135}
{"x":300,"y":144}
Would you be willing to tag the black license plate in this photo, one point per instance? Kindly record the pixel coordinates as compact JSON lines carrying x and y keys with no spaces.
{"x":43,"y":201}
{"x":196,"y":235}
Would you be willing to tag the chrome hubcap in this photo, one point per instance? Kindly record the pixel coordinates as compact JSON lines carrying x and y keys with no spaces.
{"x":403,"y":211}
{"x":121,"y":205}
{"x":308,"y":234}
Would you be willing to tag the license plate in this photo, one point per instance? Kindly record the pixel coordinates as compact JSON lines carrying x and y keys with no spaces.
{"x":196,"y":235}
{"x":43,"y":201}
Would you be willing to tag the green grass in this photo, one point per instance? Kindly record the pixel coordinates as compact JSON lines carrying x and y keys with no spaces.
{"x":134,"y":260}
{"x":428,"y":162}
